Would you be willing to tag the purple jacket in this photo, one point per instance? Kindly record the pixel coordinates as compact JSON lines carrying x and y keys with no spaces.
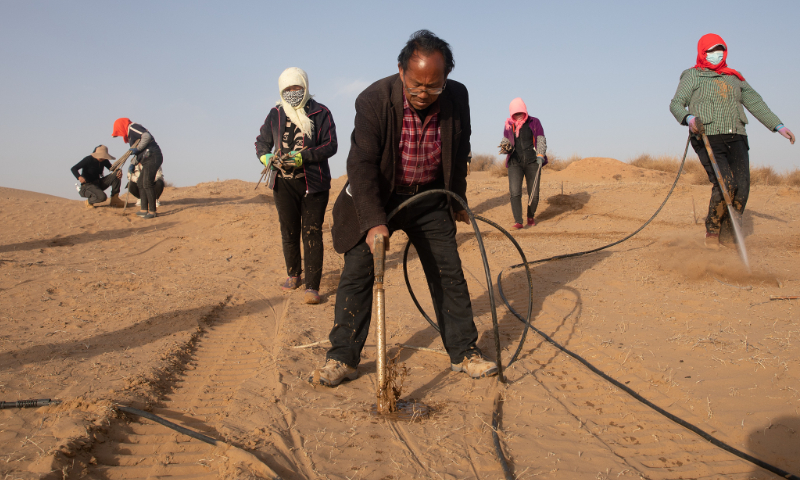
{"x":535,"y":125}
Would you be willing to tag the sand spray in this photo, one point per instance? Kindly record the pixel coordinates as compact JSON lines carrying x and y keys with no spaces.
{"x":737,"y":230}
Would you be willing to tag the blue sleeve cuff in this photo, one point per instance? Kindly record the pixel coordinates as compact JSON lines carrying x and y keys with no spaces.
{"x":780,"y":125}
{"x":689,"y":119}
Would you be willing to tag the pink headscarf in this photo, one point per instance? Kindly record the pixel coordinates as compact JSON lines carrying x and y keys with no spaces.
{"x":516,"y":106}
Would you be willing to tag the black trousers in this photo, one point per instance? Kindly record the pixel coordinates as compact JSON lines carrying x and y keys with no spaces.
{"x":95,"y":191}
{"x":733,"y":160}
{"x":516,"y":172}
{"x":301,"y":213}
{"x":431,"y":229}
{"x":147,"y":178}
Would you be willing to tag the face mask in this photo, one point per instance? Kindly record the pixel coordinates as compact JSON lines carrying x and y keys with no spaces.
{"x":293,"y":97}
{"x":714,"y":57}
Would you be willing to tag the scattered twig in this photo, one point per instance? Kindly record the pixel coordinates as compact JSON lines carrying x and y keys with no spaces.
{"x":784,"y":297}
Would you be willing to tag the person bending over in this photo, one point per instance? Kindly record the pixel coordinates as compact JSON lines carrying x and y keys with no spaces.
{"x":715,"y":94}
{"x":89,"y":172}
{"x":297,"y":139}
{"x":412,"y":134}
{"x":148,"y":154}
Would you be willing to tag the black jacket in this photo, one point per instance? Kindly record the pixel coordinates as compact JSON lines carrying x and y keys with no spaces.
{"x":318,"y":149}
{"x":375,"y":149}
{"x":90,"y":169}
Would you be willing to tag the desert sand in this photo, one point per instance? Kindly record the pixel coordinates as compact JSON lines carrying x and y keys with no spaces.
{"x":183,"y":316}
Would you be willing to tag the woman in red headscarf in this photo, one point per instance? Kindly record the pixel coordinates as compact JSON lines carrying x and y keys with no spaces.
{"x":716,"y":95}
{"x":525,"y":146}
{"x":148,"y":154}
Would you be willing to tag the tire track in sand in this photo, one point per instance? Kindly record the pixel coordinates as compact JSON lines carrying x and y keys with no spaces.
{"x":226,"y":355}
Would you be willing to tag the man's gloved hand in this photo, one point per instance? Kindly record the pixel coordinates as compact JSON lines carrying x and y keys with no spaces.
{"x":786,"y":133}
{"x":691,"y":120}
{"x":540,"y":160}
{"x":134,"y":151}
{"x":266,"y":159}
{"x":131,"y":169}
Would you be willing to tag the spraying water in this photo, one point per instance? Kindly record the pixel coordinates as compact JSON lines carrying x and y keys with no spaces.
{"x":736,"y":221}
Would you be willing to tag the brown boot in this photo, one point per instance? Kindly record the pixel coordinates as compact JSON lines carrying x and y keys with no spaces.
{"x":88,"y":205}
{"x":116,"y":202}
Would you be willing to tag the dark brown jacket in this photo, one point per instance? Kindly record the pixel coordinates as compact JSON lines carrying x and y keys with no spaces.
{"x":375,"y":147}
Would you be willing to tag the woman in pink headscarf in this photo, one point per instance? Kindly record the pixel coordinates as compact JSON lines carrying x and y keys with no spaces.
{"x":525,"y":146}
{"x":716,"y":95}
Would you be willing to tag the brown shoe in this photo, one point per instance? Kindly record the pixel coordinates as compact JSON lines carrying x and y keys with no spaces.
{"x":88,"y":205}
{"x":333,"y":373}
{"x":312,"y":297}
{"x":476,"y":367}
{"x":116,"y":202}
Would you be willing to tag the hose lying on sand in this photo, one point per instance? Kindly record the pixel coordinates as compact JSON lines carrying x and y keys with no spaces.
{"x":526,"y":321}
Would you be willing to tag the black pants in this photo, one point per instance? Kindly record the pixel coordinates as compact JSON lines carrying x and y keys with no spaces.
{"x":147,"y":178}
{"x":158,"y":188}
{"x":431,"y":229}
{"x":298,"y":213}
{"x":733,"y":160}
{"x":95,"y":191}
{"x":516,"y":172}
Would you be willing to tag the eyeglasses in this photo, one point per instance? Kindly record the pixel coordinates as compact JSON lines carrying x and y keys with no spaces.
{"x":415,"y":92}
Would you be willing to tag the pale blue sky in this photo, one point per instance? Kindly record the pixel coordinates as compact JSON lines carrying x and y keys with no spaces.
{"x":202,"y":75}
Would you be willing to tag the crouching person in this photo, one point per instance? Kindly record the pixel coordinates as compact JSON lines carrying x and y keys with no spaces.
{"x":134,"y":171}
{"x":297,"y":138}
{"x":89,"y":172}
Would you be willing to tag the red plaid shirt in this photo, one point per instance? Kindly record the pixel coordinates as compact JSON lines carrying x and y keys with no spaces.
{"x":420,"y":147}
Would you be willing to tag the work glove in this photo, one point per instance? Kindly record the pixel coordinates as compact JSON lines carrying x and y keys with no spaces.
{"x":266,"y":159}
{"x":134,"y":151}
{"x":505,"y":146}
{"x":131,"y":169}
{"x":295,"y":159}
{"x":691,"y":120}
{"x":786,"y":133}
{"x":540,"y":161}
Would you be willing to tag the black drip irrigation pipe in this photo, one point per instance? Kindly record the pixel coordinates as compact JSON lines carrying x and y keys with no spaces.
{"x":39,"y":402}
{"x":526,"y":321}
{"x":167,"y":423}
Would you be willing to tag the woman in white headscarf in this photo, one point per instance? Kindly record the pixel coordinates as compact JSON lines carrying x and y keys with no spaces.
{"x":297,"y":138}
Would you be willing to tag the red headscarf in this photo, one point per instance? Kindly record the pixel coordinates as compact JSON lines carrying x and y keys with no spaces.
{"x":121,"y":128}
{"x":708,"y":41}
{"x":516,"y":106}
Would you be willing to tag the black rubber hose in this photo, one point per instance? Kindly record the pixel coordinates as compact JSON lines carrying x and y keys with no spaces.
{"x":167,"y":423}
{"x":39,"y":402}
{"x":486,"y":269}
{"x":650,"y":404}
{"x":527,"y":271}
{"x":578,"y":254}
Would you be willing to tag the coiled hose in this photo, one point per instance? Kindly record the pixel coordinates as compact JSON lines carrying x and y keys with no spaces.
{"x":526,"y":321}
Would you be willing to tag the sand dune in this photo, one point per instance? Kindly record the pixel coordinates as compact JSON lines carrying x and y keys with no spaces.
{"x":183,"y":315}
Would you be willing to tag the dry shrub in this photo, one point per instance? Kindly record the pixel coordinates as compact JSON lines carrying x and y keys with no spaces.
{"x":793,"y":177}
{"x":498,"y":169}
{"x":693,"y":170}
{"x":482,"y":163}
{"x":556,"y":163}
{"x":764,"y":175}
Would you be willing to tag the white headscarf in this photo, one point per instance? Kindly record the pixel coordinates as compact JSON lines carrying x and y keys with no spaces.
{"x":290,"y":77}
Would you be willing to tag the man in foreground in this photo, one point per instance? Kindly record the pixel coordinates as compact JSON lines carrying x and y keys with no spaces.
{"x":412,"y":134}
{"x":89,"y":172}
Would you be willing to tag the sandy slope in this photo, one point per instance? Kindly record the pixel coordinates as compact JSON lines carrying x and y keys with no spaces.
{"x":183,"y":315}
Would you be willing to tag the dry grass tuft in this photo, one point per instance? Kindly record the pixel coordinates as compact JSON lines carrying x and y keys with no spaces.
{"x":482,"y":163}
{"x":793,"y":177}
{"x":765,"y":175}
{"x":693,"y":170}
{"x":556,"y":163}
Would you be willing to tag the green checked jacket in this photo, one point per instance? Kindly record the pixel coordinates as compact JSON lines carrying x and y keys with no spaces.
{"x":718,"y":100}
